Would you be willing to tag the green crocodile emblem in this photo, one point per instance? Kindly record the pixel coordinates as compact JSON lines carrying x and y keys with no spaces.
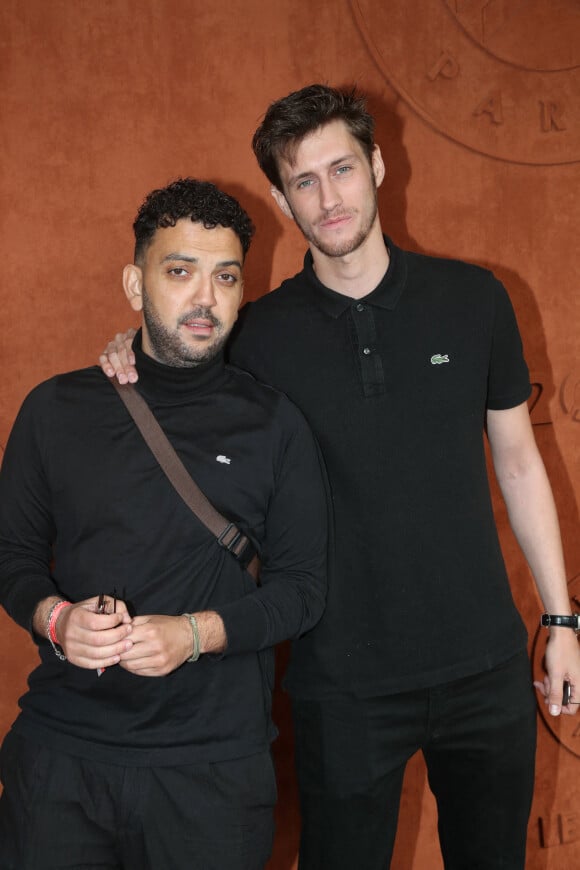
{"x":439,"y":358}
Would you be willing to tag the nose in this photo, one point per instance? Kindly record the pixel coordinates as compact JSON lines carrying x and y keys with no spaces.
{"x":329,"y":195}
{"x":204,"y":292}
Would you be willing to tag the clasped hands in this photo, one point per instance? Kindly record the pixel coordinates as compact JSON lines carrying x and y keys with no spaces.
{"x":150,"y":646}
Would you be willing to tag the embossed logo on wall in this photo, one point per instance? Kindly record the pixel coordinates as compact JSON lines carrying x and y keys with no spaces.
{"x":538,"y":402}
{"x":501,"y":77}
{"x":570,"y":396}
{"x":566,"y":729}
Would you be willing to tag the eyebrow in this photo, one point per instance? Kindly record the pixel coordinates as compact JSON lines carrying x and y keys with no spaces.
{"x":339,"y":160}
{"x":175,"y":256}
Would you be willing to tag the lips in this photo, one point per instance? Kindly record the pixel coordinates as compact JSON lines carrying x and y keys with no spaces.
{"x":336,"y":221}
{"x":200,"y":322}
{"x":200,"y":327}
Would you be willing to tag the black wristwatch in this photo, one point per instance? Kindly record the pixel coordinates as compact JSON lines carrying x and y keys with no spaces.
{"x":549,"y":619}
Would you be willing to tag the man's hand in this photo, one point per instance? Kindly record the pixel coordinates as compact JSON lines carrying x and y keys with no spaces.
{"x":118,"y":358}
{"x":562,"y":662}
{"x":160,"y":644}
{"x":89,"y":639}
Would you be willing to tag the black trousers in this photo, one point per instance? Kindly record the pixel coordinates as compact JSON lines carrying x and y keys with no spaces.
{"x":58,"y":812}
{"x":478,"y":737}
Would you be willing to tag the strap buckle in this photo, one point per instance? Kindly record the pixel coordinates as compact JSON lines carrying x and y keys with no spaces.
{"x":236,"y":543}
{"x":230,"y":543}
{"x":241,"y":548}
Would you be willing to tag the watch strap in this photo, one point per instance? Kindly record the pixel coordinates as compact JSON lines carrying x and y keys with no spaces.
{"x":550,"y":619}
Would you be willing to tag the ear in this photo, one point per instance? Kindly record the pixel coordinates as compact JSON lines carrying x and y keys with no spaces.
{"x":281,"y":202}
{"x":378,"y":166}
{"x":133,"y":286}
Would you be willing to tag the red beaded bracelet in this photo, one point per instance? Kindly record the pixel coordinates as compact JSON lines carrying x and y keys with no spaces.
{"x":53,"y":615}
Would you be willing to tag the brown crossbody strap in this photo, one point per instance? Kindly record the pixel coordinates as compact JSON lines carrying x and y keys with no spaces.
{"x":228,"y":535}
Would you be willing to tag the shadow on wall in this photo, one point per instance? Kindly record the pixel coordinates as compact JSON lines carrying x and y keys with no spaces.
{"x":258,"y":265}
{"x":393,"y":191}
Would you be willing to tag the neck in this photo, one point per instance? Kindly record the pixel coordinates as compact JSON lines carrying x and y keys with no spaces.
{"x":358,"y":273}
{"x":165,"y":384}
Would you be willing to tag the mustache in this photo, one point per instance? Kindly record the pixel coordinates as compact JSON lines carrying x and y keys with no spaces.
{"x":335,"y":213}
{"x":202,"y":313}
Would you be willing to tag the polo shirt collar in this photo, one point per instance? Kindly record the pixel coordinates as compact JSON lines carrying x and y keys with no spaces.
{"x":385,"y":295}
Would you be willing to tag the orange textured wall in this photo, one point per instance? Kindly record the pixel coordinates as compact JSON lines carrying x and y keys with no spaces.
{"x":479,"y":122}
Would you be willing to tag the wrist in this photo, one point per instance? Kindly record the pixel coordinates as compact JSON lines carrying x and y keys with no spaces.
{"x":212,"y":633}
{"x":52,"y":618}
{"x":194,"y":651}
{"x":41,"y":613}
{"x":561,"y":621}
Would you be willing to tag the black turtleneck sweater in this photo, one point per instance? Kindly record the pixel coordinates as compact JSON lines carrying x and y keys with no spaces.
{"x":80,"y":490}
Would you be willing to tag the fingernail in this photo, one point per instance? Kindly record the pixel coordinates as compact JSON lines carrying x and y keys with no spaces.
{"x":554,"y":709}
{"x":132,"y":377}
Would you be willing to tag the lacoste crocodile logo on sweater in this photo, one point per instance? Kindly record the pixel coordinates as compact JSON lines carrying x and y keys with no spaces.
{"x":439,"y":358}
{"x":224,"y":459}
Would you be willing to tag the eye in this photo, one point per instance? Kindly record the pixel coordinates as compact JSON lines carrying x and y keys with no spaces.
{"x":343,"y":170}
{"x":305,"y":183}
{"x":178,"y":271}
{"x":227,"y":278}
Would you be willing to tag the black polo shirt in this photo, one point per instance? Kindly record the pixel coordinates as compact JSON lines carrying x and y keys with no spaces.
{"x":395,"y":387}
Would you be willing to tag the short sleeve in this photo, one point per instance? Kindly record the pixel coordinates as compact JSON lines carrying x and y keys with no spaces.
{"x":509,"y":379}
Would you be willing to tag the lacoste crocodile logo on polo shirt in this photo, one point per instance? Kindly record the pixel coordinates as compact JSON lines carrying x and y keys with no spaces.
{"x":439,"y":358}
{"x":223,"y":459}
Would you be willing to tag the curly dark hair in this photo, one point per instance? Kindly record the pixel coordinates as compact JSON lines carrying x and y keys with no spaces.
{"x":200,"y":201}
{"x":288,"y":120}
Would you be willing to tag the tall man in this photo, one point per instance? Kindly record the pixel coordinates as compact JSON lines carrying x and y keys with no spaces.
{"x":105,"y":765}
{"x":399,"y":362}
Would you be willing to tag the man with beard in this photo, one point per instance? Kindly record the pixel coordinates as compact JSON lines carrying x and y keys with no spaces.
{"x":399,"y":361}
{"x":120,"y":583}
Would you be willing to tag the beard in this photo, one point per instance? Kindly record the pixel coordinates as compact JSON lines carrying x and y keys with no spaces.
{"x":167,"y":345}
{"x":341,"y":247}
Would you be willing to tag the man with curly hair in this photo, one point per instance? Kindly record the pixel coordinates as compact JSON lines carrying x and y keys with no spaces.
{"x":144,"y":737}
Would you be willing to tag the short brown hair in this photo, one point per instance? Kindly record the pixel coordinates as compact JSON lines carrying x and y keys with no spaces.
{"x":288,"y":120}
